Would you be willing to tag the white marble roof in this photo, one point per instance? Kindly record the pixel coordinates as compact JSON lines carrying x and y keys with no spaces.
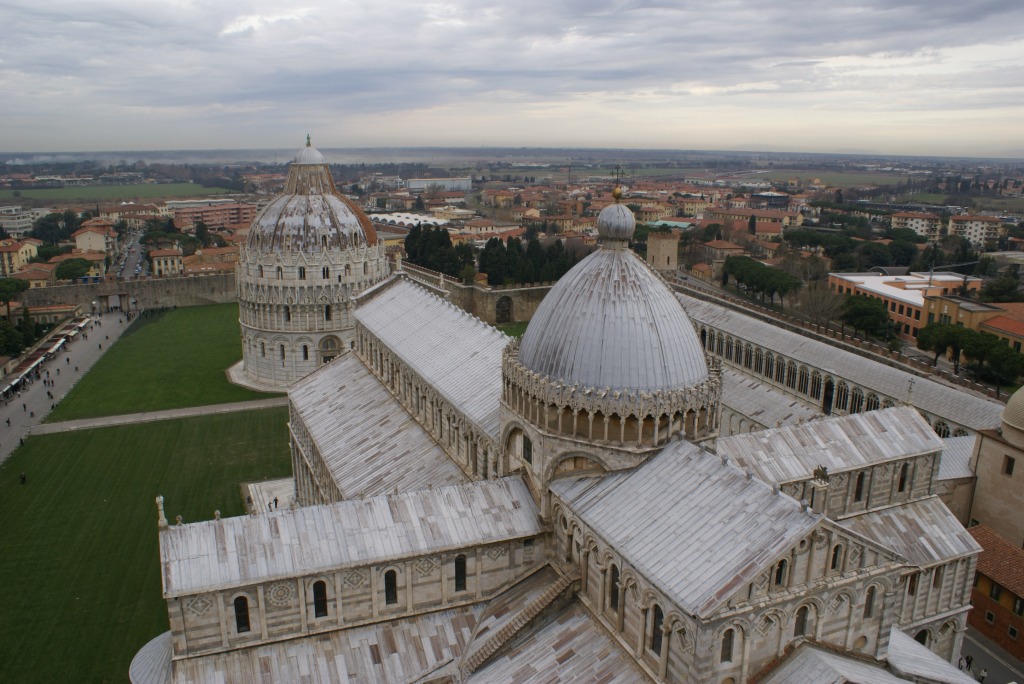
{"x":230,"y":552}
{"x":669,"y":516}
{"x":405,"y":650}
{"x":839,"y":443}
{"x":956,"y":457}
{"x":367,"y":439}
{"x":762,"y":402}
{"x":813,"y":665}
{"x":569,"y":649}
{"x":456,"y":353}
{"x":612,"y":322}
{"x":923,"y":532}
{"x":917,"y":661}
{"x":952,"y":403}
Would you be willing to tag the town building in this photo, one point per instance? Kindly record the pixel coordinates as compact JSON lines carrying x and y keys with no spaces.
{"x":904,"y":295}
{"x":998,"y":594}
{"x":924,"y":224}
{"x":15,"y":255}
{"x":165,"y":262}
{"x":474,"y":508}
{"x":983,"y":232}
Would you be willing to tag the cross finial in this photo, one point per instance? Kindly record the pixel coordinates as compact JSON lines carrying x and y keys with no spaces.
{"x":308,"y":142}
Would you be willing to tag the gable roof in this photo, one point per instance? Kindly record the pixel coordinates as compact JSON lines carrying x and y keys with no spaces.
{"x":999,"y":560}
{"x":668,"y":518}
{"x":216,"y":554}
{"x":368,"y":441}
{"x":924,"y":532}
{"x":456,"y":353}
{"x":839,"y":443}
{"x":951,"y":403}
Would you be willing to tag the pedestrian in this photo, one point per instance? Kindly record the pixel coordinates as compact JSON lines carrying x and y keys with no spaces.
{"x":76,"y":369}
{"x":270,"y":506}
{"x":8,"y":422}
{"x":275,"y":502}
{"x":23,"y":478}
{"x":24,"y":407}
{"x":960,"y":663}
{"x":66,"y":360}
{"x":968,"y":659}
{"x":982,"y":675}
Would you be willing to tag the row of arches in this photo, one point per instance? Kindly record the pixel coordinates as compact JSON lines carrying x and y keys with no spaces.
{"x":299,"y":318}
{"x":301,"y":272}
{"x":829,"y":393}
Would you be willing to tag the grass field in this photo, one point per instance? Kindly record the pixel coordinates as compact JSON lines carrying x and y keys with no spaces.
{"x":173,"y":360}
{"x":512,"y":329}
{"x":79,"y":560}
{"x":110,"y":193}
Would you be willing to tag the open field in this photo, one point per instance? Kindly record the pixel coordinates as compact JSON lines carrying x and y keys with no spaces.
{"x":79,"y":560}
{"x":512,"y":329}
{"x":110,"y":193}
{"x":170,"y":360}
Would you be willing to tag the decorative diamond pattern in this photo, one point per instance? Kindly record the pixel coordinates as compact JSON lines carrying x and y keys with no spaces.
{"x":425,"y":566}
{"x":199,"y":606}
{"x":355,"y":579}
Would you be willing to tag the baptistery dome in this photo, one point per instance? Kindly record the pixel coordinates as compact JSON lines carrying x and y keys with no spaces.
{"x":310,"y":216}
{"x":611,"y":322}
{"x":307,"y":254}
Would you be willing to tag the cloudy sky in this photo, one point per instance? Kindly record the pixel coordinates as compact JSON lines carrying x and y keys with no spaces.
{"x":888,"y":76}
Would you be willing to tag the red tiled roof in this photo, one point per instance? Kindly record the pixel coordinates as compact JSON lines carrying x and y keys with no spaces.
{"x":722,"y":244}
{"x":1000,"y":560}
{"x":1005,"y":325}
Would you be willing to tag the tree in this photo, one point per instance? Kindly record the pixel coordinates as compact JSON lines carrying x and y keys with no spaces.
{"x":903,"y":252}
{"x":203,"y":234}
{"x":1002,"y":289}
{"x":819,"y":304}
{"x":868,"y":315}
{"x":1005,"y":366}
{"x":9,"y":289}
{"x":72,"y":269}
{"x":941,"y":338}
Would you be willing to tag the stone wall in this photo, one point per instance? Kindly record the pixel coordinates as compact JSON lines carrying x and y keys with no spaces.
{"x":146,"y":293}
{"x":494,"y":305}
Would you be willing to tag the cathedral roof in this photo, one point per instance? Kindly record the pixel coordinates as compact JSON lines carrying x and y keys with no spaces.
{"x":612,"y":322}
{"x":368,"y":441}
{"x":311,"y":215}
{"x":217,"y":554}
{"x":455,"y":353}
{"x":839,"y":443}
{"x":1013,"y":414}
{"x":696,"y":528}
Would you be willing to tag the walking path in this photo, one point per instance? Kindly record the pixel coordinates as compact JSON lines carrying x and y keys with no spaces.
{"x":150,"y":416}
{"x":1002,"y":667}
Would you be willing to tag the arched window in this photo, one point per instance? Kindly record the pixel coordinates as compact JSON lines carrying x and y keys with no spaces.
{"x":241,"y":614}
{"x":263,"y":349}
{"x":904,"y":470}
{"x":769,"y":365}
{"x":259,"y":271}
{"x":727,"y":639}
{"x":305,"y":352}
{"x":327,"y":312}
{"x":613,"y":590}
{"x":390,"y":587}
{"x":758,"y":360}
{"x":857,"y":400}
{"x":282,"y":352}
{"x":319,"y":599}
{"x":348,"y":269}
{"x":720,"y":344}
{"x":922,"y":637}
{"x":858,"y":490}
{"x":842,"y":396}
{"x":748,"y":359}
{"x":801,"y":386}
{"x":872,"y":403}
{"x":280,"y":273}
{"x":837,"y":556}
{"x":326,"y":273}
{"x":527,"y":449}
{"x":815,"y":385}
{"x":460,"y":573}
{"x":941,"y":429}
{"x":780,"y":370}
{"x":791,"y":375}
{"x":287,"y":314}
{"x":366,"y":268}
{"x":800,"y":624}
{"x":869,"y":602}
{"x":302,"y":272}
{"x":912,"y":585}
{"x":656,"y":629}
{"x":728,"y":348}
{"x":780,"y":573}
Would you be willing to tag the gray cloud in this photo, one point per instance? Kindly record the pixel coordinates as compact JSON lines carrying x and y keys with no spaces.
{"x":123,"y":74}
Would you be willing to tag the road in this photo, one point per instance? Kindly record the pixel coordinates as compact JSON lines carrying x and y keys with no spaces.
{"x":1002,"y":668}
{"x":28,"y":408}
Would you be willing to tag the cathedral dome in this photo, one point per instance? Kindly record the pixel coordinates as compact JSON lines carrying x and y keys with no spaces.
{"x":1013,"y":418}
{"x":311,"y":215}
{"x":611,"y":322}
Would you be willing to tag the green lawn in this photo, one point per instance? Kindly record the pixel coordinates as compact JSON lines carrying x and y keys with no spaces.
{"x":173,"y":360}
{"x":109,"y":193}
{"x":79,"y":561}
{"x":513,"y":329}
